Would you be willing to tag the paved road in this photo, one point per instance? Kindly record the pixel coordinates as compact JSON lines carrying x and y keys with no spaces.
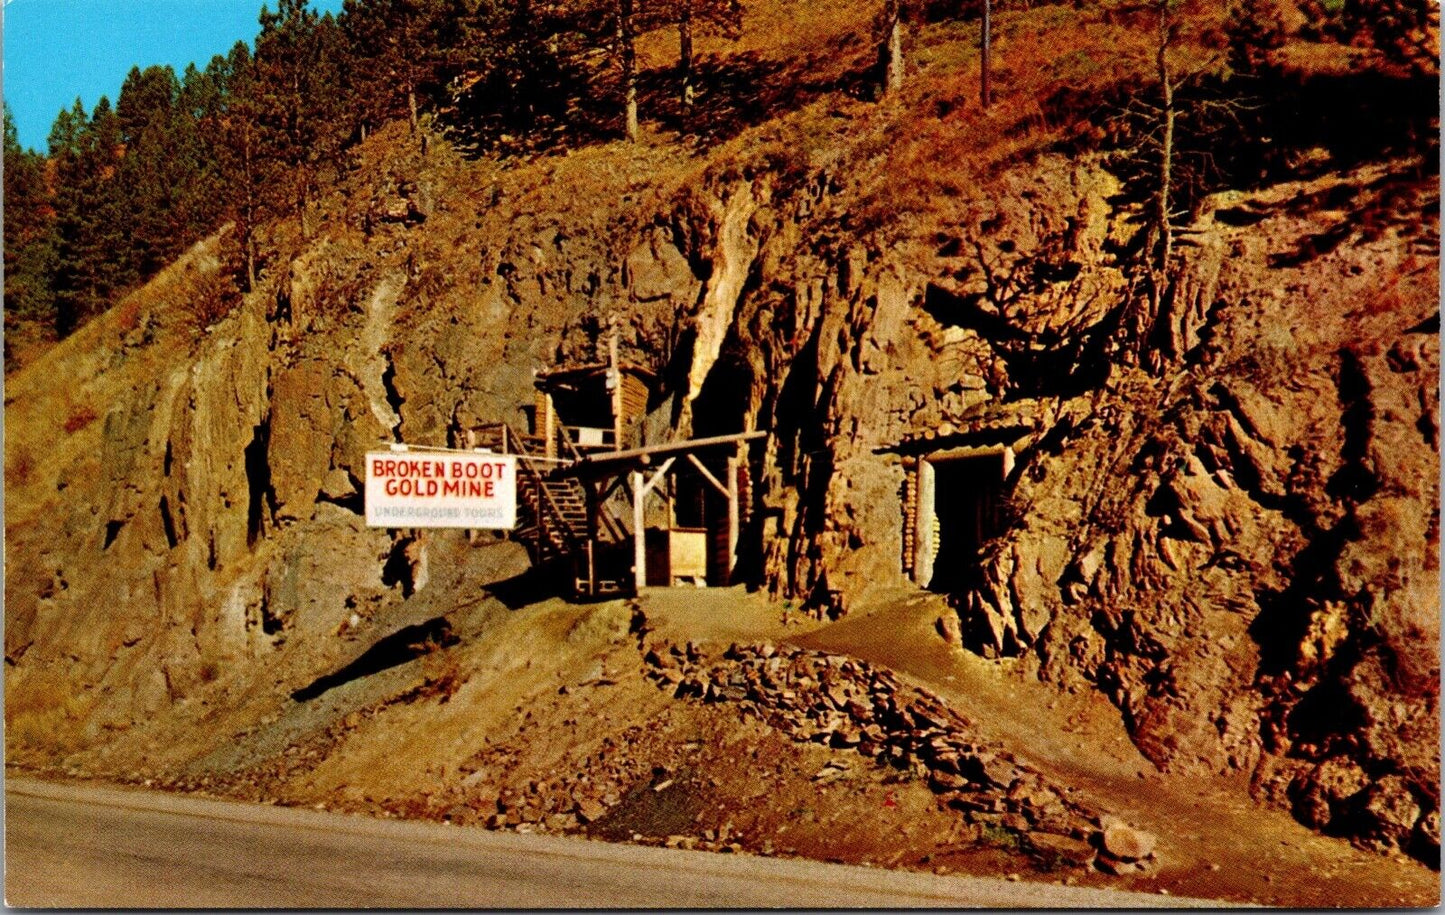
{"x":80,"y":845}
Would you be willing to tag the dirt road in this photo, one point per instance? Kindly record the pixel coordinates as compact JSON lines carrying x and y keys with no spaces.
{"x":82,"y":845}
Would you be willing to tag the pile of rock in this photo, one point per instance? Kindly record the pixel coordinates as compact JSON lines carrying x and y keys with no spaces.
{"x":563,"y":802}
{"x":848,"y":704}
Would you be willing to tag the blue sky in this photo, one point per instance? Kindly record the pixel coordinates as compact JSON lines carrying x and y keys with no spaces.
{"x":56,"y":50}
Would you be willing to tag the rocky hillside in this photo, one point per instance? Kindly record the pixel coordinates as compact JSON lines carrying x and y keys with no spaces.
{"x":1222,"y":512}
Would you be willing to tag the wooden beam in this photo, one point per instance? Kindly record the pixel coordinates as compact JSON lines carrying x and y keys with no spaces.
{"x":733,"y":516}
{"x":639,"y":533}
{"x":708,"y":474}
{"x":549,"y":429}
{"x":601,"y":461}
{"x":614,"y":382}
{"x":656,"y":477}
{"x":612,"y":487}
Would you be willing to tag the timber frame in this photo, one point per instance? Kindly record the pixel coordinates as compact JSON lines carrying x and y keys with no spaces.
{"x":641,"y":470}
{"x":573,"y":496}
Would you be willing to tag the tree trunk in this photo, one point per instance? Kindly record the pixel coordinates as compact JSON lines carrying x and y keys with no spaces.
{"x":250,"y":260}
{"x":1166,"y":147}
{"x":629,"y":68}
{"x":248,"y":208}
{"x":985,"y":94}
{"x":684,"y":62}
{"x":893,"y":50}
{"x":411,"y":106}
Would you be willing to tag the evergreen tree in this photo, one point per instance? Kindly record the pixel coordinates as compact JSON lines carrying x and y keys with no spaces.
{"x":400,"y":53}
{"x":524,"y":55}
{"x":1255,"y":29}
{"x":91,"y":228}
{"x":294,"y":93}
{"x":1405,"y":32}
{"x":232,"y":135}
{"x":29,"y":227}
{"x":147,"y":98}
{"x":693,"y":18}
{"x":890,"y":52}
{"x":161,"y":165}
{"x":627,"y":63}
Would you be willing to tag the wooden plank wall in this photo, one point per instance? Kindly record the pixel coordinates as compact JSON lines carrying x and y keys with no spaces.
{"x":910,"y":514}
{"x":539,"y":415}
{"x":634,"y":410}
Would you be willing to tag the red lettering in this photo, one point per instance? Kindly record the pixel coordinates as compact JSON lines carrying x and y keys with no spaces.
{"x":489,"y":489}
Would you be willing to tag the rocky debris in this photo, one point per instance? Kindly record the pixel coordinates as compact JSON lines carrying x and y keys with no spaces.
{"x":950,"y":629}
{"x":848,"y":704}
{"x":1127,"y":843}
{"x":1062,"y":849}
{"x":1124,"y":849}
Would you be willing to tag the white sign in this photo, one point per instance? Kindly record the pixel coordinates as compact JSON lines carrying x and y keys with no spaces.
{"x":422,"y":489}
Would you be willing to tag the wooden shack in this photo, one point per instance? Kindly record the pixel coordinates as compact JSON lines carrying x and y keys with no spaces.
{"x":597,"y":406}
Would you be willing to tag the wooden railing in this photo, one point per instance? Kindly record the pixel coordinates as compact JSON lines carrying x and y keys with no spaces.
{"x":547,"y":514}
{"x":543,"y":502}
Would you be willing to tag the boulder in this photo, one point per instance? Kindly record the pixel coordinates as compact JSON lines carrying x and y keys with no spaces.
{"x":1127,"y":843}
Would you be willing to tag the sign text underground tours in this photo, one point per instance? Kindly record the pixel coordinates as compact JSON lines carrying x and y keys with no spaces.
{"x":441,"y":490}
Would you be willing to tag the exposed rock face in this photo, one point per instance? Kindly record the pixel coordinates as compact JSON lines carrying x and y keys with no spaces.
{"x":1235,"y":540}
{"x":1249,"y":564}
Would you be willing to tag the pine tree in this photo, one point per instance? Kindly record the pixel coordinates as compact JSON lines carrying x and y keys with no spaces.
{"x":525,"y":55}
{"x":627,"y":62}
{"x":294,"y":91}
{"x":400,"y":53}
{"x":1255,"y":29}
{"x":231,"y":135}
{"x":693,"y":18}
{"x":29,"y":239}
{"x":1404,"y":32}
{"x":158,"y":168}
{"x":890,"y":52}
{"x":92,"y":251}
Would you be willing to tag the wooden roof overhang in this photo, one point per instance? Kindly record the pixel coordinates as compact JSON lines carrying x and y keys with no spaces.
{"x":610,"y":463}
{"x":940,"y":440}
{"x":568,"y":377}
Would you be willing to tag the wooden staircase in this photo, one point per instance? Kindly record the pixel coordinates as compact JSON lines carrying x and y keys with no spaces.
{"x":552,"y":513}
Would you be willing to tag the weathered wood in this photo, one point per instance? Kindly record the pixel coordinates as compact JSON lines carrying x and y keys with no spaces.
{"x":601,"y":462}
{"x":707,"y":474}
{"x":549,"y":428}
{"x":614,"y":387}
{"x":639,"y":532}
{"x":910,"y":514}
{"x":733,"y":518}
{"x":657,"y":477}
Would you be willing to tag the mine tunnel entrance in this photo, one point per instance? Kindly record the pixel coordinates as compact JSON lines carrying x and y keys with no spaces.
{"x":960,"y":509}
